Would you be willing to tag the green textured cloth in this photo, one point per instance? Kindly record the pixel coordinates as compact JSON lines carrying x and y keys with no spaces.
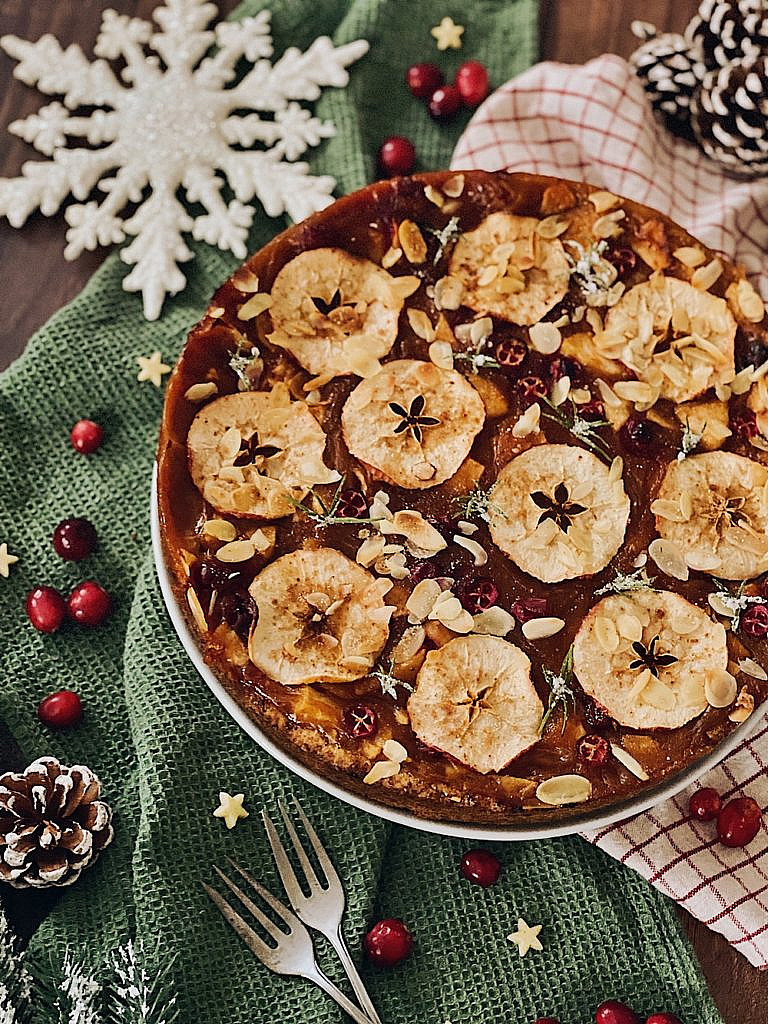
{"x":164,"y":747}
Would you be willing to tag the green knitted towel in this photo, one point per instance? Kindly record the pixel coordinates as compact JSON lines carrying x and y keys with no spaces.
{"x":161,"y":743}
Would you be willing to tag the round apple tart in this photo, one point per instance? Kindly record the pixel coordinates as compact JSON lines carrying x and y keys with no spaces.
{"x":463,"y":491}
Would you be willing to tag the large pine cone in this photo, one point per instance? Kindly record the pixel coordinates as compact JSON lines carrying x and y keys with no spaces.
{"x":52,"y":824}
{"x":729,"y":30}
{"x":730,"y":116}
{"x":670,"y":70}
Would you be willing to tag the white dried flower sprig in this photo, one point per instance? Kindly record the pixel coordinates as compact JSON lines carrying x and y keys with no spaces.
{"x":583,"y":429}
{"x":560,"y":691}
{"x":626,"y":582}
{"x":388,"y":681}
{"x":731,"y":606}
{"x":689,"y":442}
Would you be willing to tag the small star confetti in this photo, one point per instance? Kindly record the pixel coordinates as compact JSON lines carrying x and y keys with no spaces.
{"x":526,"y":936}
{"x":6,"y":561}
{"x":448,"y":34}
{"x":152,"y":368}
{"x":230,"y":809}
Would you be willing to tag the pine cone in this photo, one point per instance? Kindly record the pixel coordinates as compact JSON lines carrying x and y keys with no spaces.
{"x":730,"y":116}
{"x":52,"y":824}
{"x":729,"y":30}
{"x":670,"y":70}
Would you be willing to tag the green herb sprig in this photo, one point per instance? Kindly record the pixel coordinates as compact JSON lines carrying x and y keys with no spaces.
{"x":326,"y":516}
{"x":560,"y":691}
{"x":585,"y":430}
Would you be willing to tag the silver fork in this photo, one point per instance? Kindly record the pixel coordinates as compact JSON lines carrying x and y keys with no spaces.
{"x":323,"y":909}
{"x":293,"y":953}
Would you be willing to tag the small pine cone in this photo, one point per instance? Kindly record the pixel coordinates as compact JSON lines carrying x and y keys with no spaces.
{"x":670,"y":71}
{"x":729,"y":30}
{"x":730,"y":116}
{"x":52,"y":824}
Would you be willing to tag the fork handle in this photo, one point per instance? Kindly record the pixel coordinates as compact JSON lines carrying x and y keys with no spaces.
{"x":337,"y":995}
{"x":337,"y":941}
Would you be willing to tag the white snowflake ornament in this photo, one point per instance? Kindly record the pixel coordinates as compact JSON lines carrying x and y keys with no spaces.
{"x":165,"y":122}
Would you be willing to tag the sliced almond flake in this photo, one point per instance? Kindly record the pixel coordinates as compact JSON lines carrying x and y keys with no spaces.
{"x":538,"y":629}
{"x":751,"y":668}
{"x":607,"y":394}
{"x":690,"y":256}
{"x":629,"y":626}
{"x":371,"y":549}
{"x":236,"y":551}
{"x":744,"y":706}
{"x":494,"y":621}
{"x":564,"y":789}
{"x":381,"y":770}
{"x":606,"y":633}
{"x":395,"y":751}
{"x":446,"y":607}
{"x":691,"y":693}
{"x":422,"y":599}
{"x":219,"y":529}
{"x":580,"y":396}
{"x":630,"y":763}
{"x":669,"y":558}
{"x":704,"y":277}
{"x":668,"y":510}
{"x":424,"y":470}
{"x":478,"y":552}
{"x":723,"y":392}
{"x":391,"y":256}
{"x":759,"y":442}
{"x":683,"y":623}
{"x":441,"y":354}
{"x":480,"y":330}
{"x":245,"y":280}
{"x":617,"y":468}
{"x":197,"y":610}
{"x":199,"y":392}
{"x":435,"y":197}
{"x":467,"y":528}
{"x":560,"y":391}
{"x":633,"y":390}
{"x":639,"y":685}
{"x":641,"y":560}
{"x":487,"y":275}
{"x":742,"y":381}
{"x":659,"y":695}
{"x":216,"y":312}
{"x":448,"y":293}
{"x":409,"y":645}
{"x":406,"y":285}
{"x":256,"y":305}
{"x":602,"y":200}
{"x":263,"y":538}
{"x":412,"y":242}
{"x":745,"y":301}
{"x":230,"y":443}
{"x":720,"y":689}
{"x":454,"y":186}
{"x":529,"y":422}
{"x":607,"y":226}
{"x":545,"y":338}
{"x":553,"y":226}
{"x":420,"y":323}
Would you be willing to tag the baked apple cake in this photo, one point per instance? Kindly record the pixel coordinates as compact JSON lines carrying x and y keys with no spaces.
{"x":463,"y":491}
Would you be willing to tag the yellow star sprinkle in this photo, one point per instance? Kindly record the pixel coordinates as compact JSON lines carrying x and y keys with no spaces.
{"x":152,"y":368}
{"x":526,"y":936}
{"x":230,"y":809}
{"x":6,"y":561}
{"x":448,"y":34}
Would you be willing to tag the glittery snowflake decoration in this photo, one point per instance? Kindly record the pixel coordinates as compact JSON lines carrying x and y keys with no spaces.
{"x":166,"y":122}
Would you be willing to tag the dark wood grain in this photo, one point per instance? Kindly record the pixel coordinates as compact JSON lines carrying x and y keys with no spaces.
{"x":37,"y":282}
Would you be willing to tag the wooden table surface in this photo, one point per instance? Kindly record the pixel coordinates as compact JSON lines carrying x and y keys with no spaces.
{"x":37,"y":282}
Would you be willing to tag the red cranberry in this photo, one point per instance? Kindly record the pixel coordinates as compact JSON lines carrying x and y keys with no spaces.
{"x":472,"y":82}
{"x":86,"y":436}
{"x":743,"y":423}
{"x":396,"y":155}
{"x":74,"y":539}
{"x":423,"y":79}
{"x":739,"y":821}
{"x":478,"y":594}
{"x":388,"y":942}
{"x":510,"y":352}
{"x":531,"y":389}
{"x":705,"y":804}
{"x":424,"y":569}
{"x":562,"y":366}
{"x":352,"y":504}
{"x":638,"y":434}
{"x":595,"y":717}
{"x":360,"y":721}
{"x":444,"y":102}
{"x":754,"y":621}
{"x":546,"y":1020}
{"x":89,"y":603}
{"x":60,"y":710}
{"x":663,"y":1018}
{"x":624,"y":260}
{"x":46,"y":609}
{"x":480,"y":867}
{"x":593,"y":749}
{"x":527,"y":608}
{"x":614,"y":1012}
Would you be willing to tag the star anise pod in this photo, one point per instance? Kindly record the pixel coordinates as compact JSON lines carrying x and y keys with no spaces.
{"x":412,"y":419}
{"x":558,"y":508}
{"x":648,"y":657}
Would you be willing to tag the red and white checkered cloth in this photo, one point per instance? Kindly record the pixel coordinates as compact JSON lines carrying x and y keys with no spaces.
{"x":593,"y":123}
